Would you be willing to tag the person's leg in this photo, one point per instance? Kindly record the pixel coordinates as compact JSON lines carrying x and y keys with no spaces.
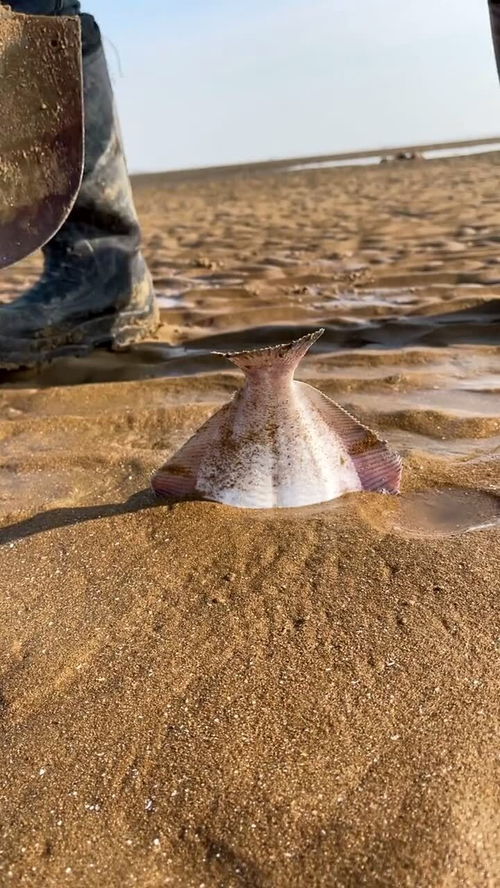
{"x":96,"y":288}
{"x":46,"y":7}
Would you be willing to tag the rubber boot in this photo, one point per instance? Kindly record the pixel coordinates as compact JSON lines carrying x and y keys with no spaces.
{"x":95,"y":289}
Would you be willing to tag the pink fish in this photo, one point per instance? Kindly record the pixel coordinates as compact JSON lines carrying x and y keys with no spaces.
{"x":279,"y":443}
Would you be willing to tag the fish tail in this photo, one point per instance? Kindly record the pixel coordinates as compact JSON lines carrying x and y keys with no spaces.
{"x":274,"y":357}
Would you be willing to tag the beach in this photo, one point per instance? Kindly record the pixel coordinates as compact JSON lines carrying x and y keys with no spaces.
{"x":200,"y":696}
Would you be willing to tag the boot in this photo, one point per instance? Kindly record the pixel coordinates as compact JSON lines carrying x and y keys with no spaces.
{"x":95,"y":289}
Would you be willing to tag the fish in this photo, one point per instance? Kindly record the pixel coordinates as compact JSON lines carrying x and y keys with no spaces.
{"x":279,"y":443}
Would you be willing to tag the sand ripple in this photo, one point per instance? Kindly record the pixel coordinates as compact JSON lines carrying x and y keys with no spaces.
{"x":194,"y":695}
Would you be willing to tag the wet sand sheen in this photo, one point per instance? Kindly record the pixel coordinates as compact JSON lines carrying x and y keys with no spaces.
{"x":191,"y":694}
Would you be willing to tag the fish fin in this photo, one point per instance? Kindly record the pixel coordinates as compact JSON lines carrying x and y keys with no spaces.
{"x":178,"y":476}
{"x":287,"y":355}
{"x":378,"y":466}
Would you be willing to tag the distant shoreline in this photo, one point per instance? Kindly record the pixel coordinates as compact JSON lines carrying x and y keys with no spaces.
{"x":337,"y":158}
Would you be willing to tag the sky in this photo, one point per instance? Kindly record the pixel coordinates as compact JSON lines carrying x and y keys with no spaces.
{"x":206,"y":82}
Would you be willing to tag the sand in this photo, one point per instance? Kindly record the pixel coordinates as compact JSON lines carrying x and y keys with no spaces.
{"x":202,"y":697}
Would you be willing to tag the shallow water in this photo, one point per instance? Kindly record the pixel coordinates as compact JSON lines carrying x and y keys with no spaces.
{"x":431,"y":154}
{"x":447,"y":511}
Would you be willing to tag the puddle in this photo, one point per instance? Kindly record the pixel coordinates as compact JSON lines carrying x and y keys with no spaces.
{"x":446,"y":511}
{"x":167,"y":301}
{"x":457,"y":403}
{"x":370,"y":158}
{"x":368,"y":298}
{"x":486,"y":383}
{"x":404,"y":441}
{"x":217,"y":280}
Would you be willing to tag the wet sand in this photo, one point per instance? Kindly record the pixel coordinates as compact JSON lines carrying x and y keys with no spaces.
{"x":198,"y":696}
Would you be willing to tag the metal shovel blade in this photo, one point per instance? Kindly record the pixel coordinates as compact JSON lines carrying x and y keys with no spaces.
{"x":41,"y":128}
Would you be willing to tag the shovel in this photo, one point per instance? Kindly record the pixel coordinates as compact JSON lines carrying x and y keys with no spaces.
{"x":41,"y":128}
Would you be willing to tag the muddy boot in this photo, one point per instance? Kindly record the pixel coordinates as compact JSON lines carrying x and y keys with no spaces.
{"x":95,"y":289}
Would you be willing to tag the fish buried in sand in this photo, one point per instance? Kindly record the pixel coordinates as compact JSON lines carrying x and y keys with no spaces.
{"x":279,"y":443}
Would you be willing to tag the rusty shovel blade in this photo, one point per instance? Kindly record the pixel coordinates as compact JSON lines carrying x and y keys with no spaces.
{"x":41,"y":128}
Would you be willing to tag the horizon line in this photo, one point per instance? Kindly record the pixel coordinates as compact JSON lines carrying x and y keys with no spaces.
{"x":273,"y":163}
